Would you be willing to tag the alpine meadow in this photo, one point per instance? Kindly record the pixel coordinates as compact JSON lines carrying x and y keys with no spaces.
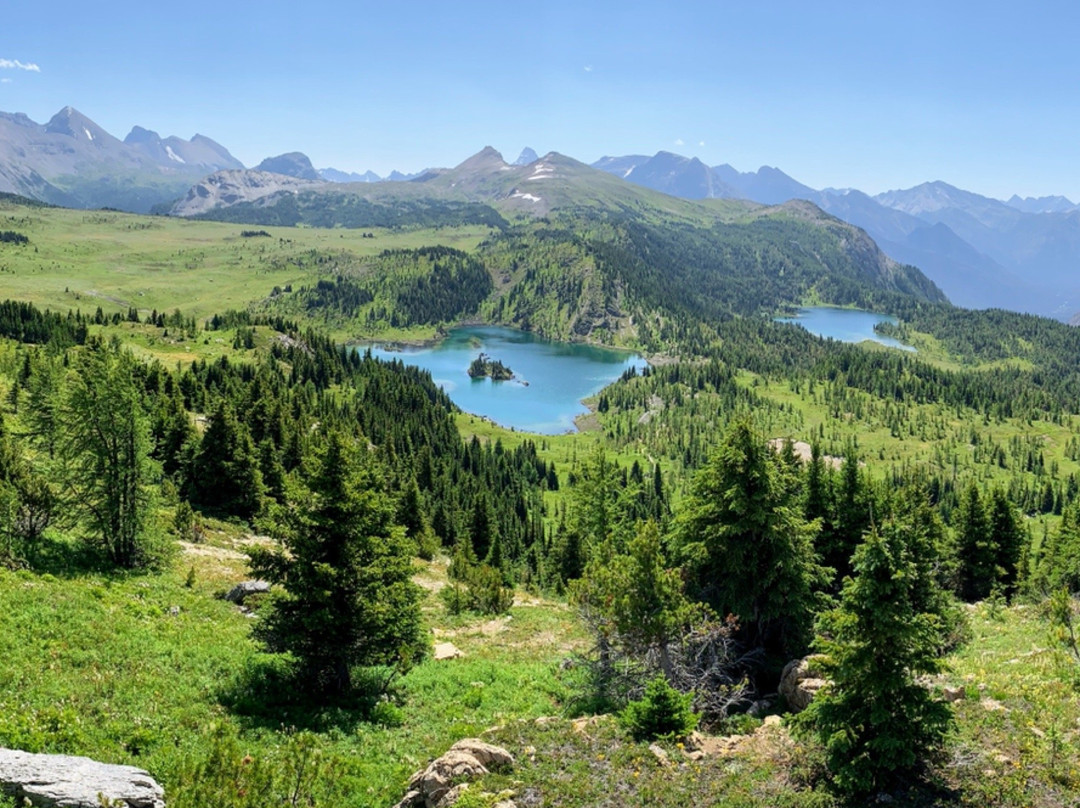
{"x":253,"y":555}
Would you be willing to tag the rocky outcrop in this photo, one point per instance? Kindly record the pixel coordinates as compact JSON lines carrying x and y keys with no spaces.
{"x":224,"y":188}
{"x":439,"y":785}
{"x":76,"y":782}
{"x":800,"y":682}
{"x":243,"y":590}
{"x":446,"y":650}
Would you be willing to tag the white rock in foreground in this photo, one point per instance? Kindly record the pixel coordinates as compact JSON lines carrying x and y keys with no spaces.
{"x":76,"y":782}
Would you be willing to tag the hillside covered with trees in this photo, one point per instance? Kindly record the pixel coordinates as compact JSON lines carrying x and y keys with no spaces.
{"x":755,"y":496}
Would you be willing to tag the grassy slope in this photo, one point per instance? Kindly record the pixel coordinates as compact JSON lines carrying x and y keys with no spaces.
{"x":129,"y":682}
{"x":86,"y":259}
{"x":98,"y":665}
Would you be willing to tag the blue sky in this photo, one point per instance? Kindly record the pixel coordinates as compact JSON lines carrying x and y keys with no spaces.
{"x":869,"y":95}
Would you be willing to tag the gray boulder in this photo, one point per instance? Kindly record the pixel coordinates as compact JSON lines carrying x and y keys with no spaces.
{"x":434,"y":787}
{"x":243,"y":590}
{"x":76,"y":782}
{"x":800,"y":682}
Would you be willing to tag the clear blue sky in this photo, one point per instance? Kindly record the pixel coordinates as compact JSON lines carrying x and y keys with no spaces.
{"x":868,"y":95}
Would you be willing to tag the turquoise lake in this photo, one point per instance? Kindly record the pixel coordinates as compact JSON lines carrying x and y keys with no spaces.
{"x":551,"y":378}
{"x":845,"y":325}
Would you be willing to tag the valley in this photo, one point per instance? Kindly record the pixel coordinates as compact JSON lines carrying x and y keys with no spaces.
{"x":236,"y":340}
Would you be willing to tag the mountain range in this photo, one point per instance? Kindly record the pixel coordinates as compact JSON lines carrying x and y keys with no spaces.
{"x":982,"y":252}
{"x":72,"y":161}
{"x":1018,"y":254}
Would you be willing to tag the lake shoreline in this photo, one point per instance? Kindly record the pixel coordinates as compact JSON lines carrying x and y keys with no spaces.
{"x":850,"y":325}
{"x":404,"y":345}
{"x":551,"y":379}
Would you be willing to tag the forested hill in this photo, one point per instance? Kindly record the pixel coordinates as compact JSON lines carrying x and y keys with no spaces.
{"x":581,"y":254}
{"x":631,"y":275}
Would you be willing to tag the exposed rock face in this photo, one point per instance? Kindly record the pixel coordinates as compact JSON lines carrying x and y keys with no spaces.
{"x":239,"y":593}
{"x":225,"y":188}
{"x":467,"y":759}
{"x":292,"y":164}
{"x":800,"y":682}
{"x":76,"y":782}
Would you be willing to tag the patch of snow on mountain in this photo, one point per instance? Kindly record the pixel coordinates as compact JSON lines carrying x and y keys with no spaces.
{"x":542,"y":172}
{"x":173,"y":155}
{"x":88,"y":135}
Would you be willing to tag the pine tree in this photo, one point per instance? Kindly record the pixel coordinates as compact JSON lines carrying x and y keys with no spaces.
{"x":747,"y":548}
{"x":977,"y":553}
{"x":345,"y":571}
{"x":875,"y":720}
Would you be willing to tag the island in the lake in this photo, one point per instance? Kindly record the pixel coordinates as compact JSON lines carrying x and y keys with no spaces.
{"x":484,"y":365}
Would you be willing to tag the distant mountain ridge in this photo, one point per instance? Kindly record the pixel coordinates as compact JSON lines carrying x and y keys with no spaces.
{"x":290,"y":164}
{"x":72,"y":161}
{"x":984,"y":253}
{"x":1019,"y":254}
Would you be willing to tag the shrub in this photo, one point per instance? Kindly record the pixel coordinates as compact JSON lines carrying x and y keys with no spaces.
{"x":663,"y":712}
{"x":480,"y":590}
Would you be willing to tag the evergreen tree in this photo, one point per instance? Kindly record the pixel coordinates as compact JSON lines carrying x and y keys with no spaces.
{"x":978,"y":570}
{"x":226,"y":468}
{"x":852,"y":518}
{"x":1006,"y":539}
{"x":639,"y":595}
{"x":747,"y":549}
{"x":482,"y":527}
{"x":875,"y":720}
{"x":105,"y":453}
{"x":345,"y":570}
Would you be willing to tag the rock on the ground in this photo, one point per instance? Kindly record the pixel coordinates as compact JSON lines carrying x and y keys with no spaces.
{"x":800,"y":682}
{"x":661,"y":756}
{"x":245,"y":589}
{"x":66,"y":781}
{"x":494,"y":757}
{"x":446,"y":650}
{"x":467,"y":759}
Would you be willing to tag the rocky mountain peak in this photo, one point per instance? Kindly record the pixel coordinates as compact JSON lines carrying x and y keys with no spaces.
{"x":290,"y":164}
{"x":526,"y":157}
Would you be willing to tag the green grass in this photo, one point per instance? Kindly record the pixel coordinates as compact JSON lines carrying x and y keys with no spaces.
{"x":101,"y":666}
{"x":85,"y":259}
{"x":1017,"y":738}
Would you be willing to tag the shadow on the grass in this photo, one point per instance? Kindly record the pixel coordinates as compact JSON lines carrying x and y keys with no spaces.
{"x":271,"y":692}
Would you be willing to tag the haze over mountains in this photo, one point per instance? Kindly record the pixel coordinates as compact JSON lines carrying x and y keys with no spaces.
{"x":1021,"y":254}
{"x":72,"y":161}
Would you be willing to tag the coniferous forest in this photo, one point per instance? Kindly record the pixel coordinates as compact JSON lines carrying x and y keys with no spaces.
{"x":626,"y":604}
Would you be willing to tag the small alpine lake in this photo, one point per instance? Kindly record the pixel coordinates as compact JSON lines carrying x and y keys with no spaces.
{"x":550,"y":378}
{"x":845,"y":325}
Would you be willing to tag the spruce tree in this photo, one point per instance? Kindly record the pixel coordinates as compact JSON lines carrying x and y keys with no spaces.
{"x":977,"y":553}
{"x":875,"y":720}
{"x":226,"y":473}
{"x":344,"y":571}
{"x":746,"y":547}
